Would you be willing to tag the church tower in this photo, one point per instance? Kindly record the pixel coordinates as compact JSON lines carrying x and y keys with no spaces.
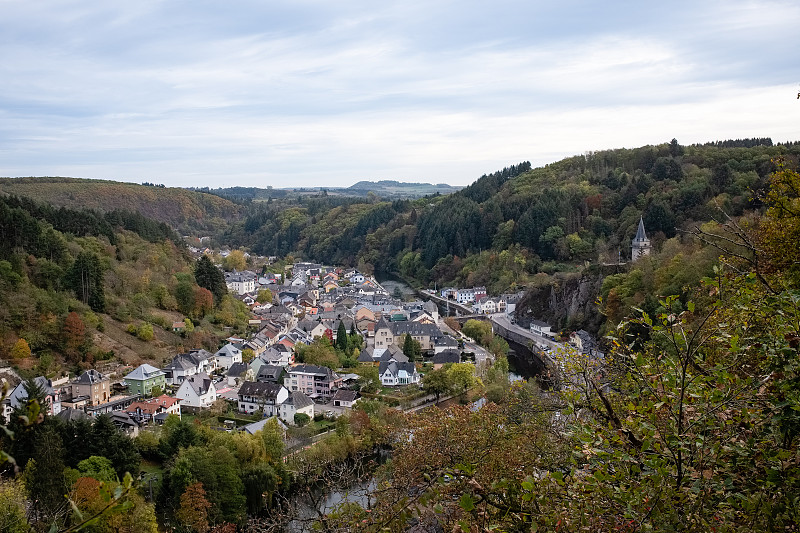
{"x":640,"y":245}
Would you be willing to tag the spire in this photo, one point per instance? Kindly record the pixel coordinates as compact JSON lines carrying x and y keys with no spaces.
{"x":640,"y":235}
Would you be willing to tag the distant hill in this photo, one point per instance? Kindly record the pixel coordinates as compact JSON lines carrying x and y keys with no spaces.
{"x":385,"y":189}
{"x":391,"y":189}
{"x":185,"y":210}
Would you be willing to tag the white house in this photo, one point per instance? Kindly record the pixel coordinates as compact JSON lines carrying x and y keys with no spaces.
{"x":393,"y":373}
{"x":241,"y":282}
{"x":296,"y":402}
{"x":465,"y":296}
{"x":52,"y":395}
{"x":228,"y":355}
{"x":541,"y":328}
{"x":197,"y":391}
{"x":266,"y":396}
{"x":344,"y":398}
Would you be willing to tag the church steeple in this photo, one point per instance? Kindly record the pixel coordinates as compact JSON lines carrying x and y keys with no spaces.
{"x":640,"y":245}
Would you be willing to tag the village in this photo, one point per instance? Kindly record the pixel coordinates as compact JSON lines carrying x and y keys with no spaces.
{"x":316,"y":302}
{"x":258,"y":377}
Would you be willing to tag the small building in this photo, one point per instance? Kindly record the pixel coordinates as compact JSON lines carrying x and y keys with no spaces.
{"x":345,"y":398}
{"x":270,"y":373}
{"x":296,"y":402}
{"x":541,"y":328}
{"x":197,"y":391}
{"x":443,"y":343}
{"x":144,"y":378}
{"x":228,"y":355}
{"x":446,"y":356}
{"x":94,"y":385}
{"x":237,"y":373}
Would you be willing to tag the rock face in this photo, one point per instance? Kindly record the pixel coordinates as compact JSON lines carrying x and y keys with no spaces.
{"x":569,"y":302}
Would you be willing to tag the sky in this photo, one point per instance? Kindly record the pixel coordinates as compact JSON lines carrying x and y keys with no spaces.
{"x":302,"y":93}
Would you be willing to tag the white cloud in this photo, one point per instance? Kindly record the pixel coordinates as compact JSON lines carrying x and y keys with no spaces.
{"x":435,"y":91}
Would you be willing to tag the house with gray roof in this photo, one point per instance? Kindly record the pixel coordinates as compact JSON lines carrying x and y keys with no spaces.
{"x":446,"y":356}
{"x":393,"y":373}
{"x":94,"y":385}
{"x":445,"y":342}
{"x":388,"y":333}
{"x":144,"y":378}
{"x":228,"y":355}
{"x":265,"y":396}
{"x":52,"y":395}
{"x":296,"y":402}
{"x":197,"y":391}
{"x":270,"y":373}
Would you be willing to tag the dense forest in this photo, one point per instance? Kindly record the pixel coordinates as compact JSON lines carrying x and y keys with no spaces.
{"x":525,"y":227}
{"x":78,"y":286}
{"x":538,"y":229}
{"x":188,"y":212}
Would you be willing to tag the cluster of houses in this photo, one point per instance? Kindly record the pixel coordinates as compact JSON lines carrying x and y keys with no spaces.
{"x":480,"y":301}
{"x":313,"y":303}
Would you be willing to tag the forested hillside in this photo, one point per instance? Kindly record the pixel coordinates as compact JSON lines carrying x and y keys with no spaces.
{"x":583,"y":208}
{"x":78,"y":286}
{"x":186,"y":211}
{"x":520,"y":227}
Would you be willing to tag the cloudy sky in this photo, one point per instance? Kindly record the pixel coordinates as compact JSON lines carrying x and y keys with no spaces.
{"x":305,"y":92}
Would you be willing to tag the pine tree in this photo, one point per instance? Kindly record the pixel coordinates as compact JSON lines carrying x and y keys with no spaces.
{"x":408,"y":348}
{"x":208,"y":276}
{"x":341,"y":337}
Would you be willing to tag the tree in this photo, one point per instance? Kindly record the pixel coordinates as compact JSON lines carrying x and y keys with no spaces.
{"x":97,"y":467}
{"x":301,"y":419}
{"x":12,"y":507}
{"x":203,"y":302}
{"x":184,"y":294}
{"x":320,"y":352}
{"x":369,"y":380}
{"x":208,"y":276}
{"x":408,"y":347}
{"x":21,"y":350}
{"x":462,"y":376}
{"x":264,"y":296}
{"x":235,"y":261}
{"x":86,"y":279}
{"x":479,"y":330}
{"x":248,"y":355}
{"x":411,"y":348}
{"x":145,"y":332}
{"x":437,"y":382}
{"x":193,"y":510}
{"x":107,"y":441}
{"x":74,"y":333}
{"x":498,"y":346}
{"x":44,"y":478}
{"x":217,"y":469}
{"x":341,"y":337}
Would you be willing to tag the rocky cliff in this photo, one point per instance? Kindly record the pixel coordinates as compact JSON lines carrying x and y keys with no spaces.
{"x":568,"y":303}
